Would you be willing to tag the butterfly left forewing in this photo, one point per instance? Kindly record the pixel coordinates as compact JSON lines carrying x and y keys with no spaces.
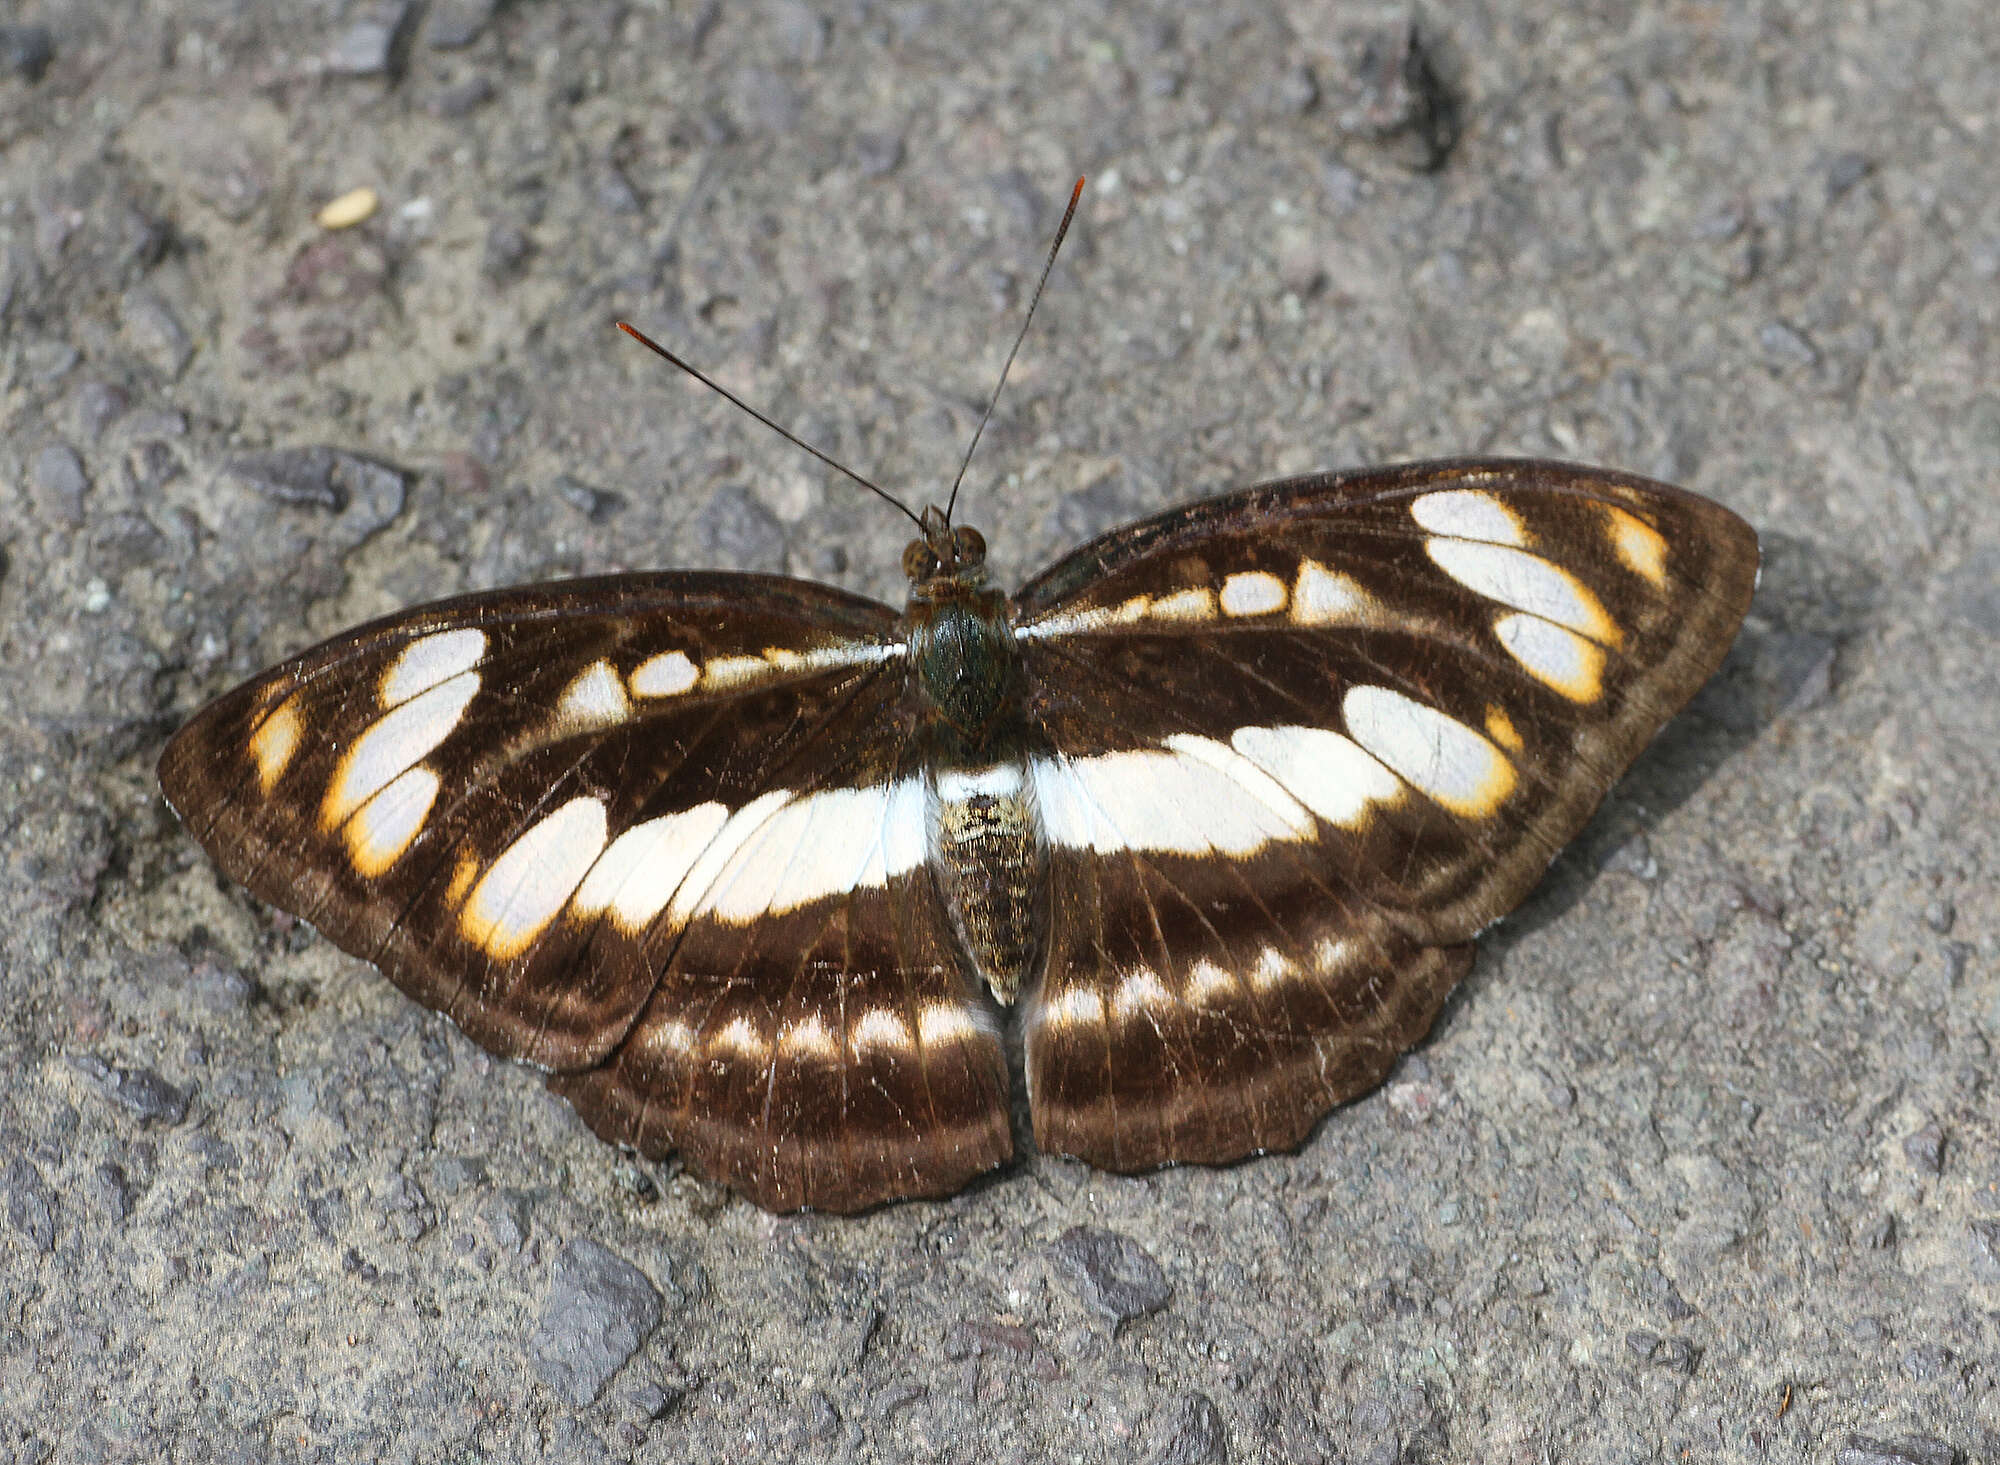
{"x":1337,"y":724}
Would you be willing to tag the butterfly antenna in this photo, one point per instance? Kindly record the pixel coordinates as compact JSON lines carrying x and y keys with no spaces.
{"x":714,"y":386}
{"x":1042,"y":284}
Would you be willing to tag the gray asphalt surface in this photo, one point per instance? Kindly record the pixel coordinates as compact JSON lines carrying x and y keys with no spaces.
{"x":1701,"y":1164}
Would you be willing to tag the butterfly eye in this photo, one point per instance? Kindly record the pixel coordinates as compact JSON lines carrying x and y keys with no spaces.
{"x":971,"y":545}
{"x":918,"y":561}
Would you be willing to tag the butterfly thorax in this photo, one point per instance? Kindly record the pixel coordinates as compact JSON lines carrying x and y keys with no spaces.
{"x":986,"y":843}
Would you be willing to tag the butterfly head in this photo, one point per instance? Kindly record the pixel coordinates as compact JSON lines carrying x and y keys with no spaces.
{"x":954,"y":553}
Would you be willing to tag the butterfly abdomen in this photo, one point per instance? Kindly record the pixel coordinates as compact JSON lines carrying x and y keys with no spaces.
{"x":992,"y":866}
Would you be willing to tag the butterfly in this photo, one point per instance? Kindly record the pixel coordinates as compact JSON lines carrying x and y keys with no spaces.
{"x":1190,"y":835}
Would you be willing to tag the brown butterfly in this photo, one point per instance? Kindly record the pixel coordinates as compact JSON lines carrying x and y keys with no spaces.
{"x":760,"y":870}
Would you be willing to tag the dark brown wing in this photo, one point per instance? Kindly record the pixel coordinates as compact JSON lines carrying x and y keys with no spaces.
{"x":654,"y":833}
{"x":1370,"y":709}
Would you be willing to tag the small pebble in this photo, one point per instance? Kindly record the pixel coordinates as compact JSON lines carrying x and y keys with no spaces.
{"x":600,"y":1310}
{"x":1110,"y":1273}
{"x":351,"y":208}
{"x":26,"y":50}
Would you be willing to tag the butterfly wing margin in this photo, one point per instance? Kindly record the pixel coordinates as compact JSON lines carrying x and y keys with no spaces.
{"x":505,"y":801}
{"x":1420,"y":682}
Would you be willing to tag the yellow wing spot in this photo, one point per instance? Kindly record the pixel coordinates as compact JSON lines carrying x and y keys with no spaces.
{"x":274,"y":743}
{"x":1252,"y":593}
{"x":1500,"y":727}
{"x":1639,"y":545}
{"x":462,"y":876}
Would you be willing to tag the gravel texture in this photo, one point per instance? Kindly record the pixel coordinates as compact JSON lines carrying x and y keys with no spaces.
{"x":1702,"y":1162}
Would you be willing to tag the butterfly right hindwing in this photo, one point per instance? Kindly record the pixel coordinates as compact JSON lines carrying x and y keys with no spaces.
{"x":639,"y":826}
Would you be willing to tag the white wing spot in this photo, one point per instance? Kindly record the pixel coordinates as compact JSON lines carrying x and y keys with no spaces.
{"x":1273,"y":969}
{"x":1551,"y":654}
{"x":636,"y":877}
{"x":1526,"y":582}
{"x":1639,"y":545}
{"x":1066,"y":623}
{"x":901,"y":842}
{"x":733,"y":671}
{"x":1443,"y":757}
{"x":1252,"y":593}
{"x":1331,"y":956}
{"x":879,"y":1027}
{"x":675,"y":1036}
{"x":1141,"y":989}
{"x":1326,"y":772}
{"x":1091,"y":618}
{"x":1466,"y":513}
{"x":810,"y":1037}
{"x":942,"y":1023}
{"x":1001,"y":781}
{"x":1206,"y":981}
{"x":738,"y":1037}
{"x":395,"y":741}
{"x":429,"y":660}
{"x":521,"y":891}
{"x":779,"y":852}
{"x":275,"y":742}
{"x":595,"y":699}
{"x":1076,"y":1005}
{"x":1324,"y":597}
{"x":1196,"y":604}
{"x":382,"y":829}
{"x":666,"y":675}
{"x":1193,"y":797}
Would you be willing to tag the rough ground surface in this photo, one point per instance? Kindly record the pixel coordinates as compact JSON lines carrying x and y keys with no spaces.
{"x":1701,"y":1164}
